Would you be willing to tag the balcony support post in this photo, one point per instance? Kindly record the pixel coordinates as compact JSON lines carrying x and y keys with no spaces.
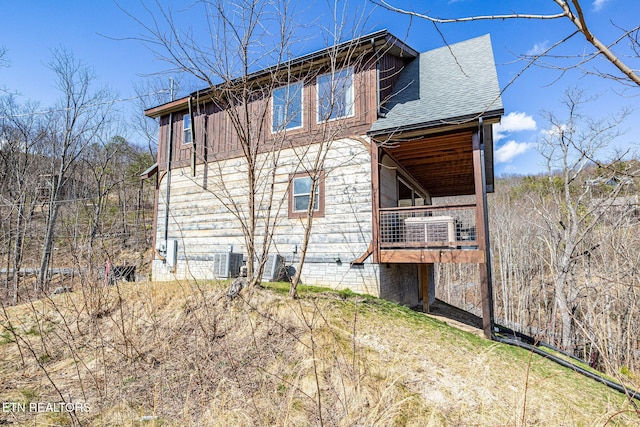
{"x":427,"y":282}
{"x":375,"y":197}
{"x":482,"y":232}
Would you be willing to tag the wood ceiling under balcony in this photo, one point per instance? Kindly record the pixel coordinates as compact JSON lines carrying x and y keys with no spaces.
{"x":443,"y":164}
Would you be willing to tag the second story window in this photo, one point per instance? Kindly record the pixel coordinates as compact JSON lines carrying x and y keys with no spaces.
{"x":287,"y":107}
{"x":186,"y":129}
{"x":335,"y":95}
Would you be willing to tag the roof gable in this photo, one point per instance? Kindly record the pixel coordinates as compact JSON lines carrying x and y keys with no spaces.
{"x":446,"y":85}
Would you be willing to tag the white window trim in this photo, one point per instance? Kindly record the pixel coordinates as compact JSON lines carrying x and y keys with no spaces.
{"x":315,"y":209}
{"x":184,"y":130}
{"x":353,"y":97}
{"x":301,"y":109}
{"x":318,"y":212}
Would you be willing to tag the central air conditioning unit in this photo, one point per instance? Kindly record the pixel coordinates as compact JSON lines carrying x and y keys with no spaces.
{"x":274,"y":268}
{"x":438,"y":230}
{"x":227,"y":264}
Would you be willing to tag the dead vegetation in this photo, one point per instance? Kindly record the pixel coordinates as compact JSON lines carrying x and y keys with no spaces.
{"x":183,"y":354}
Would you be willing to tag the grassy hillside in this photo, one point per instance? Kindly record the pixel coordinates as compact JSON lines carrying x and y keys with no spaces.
{"x":181,"y":354}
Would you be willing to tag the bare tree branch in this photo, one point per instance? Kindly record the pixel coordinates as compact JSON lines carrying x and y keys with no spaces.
{"x":574,"y":15}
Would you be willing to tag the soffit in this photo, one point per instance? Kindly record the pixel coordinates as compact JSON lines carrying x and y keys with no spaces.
{"x":442,"y":164}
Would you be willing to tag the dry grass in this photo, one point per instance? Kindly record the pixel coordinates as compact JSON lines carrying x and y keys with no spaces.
{"x":181,"y":354}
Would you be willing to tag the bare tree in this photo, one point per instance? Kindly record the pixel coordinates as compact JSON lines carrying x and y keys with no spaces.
{"x":346,"y":25}
{"x":569,"y":214}
{"x":242,"y":37}
{"x":4,"y":62}
{"x":150,"y":93}
{"x":571,"y":12}
{"x":23,"y":133}
{"x":78,"y":118}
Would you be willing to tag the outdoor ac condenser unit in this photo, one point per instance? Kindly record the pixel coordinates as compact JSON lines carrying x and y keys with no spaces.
{"x":430,"y":229}
{"x":274,"y":268}
{"x":226,"y":265}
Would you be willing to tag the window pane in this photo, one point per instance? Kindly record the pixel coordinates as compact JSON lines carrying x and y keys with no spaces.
{"x":186,"y":126}
{"x":287,"y":107}
{"x":302,"y":186}
{"x":335,"y":95}
{"x":301,"y":203}
{"x":301,"y":192}
{"x":324,"y":97}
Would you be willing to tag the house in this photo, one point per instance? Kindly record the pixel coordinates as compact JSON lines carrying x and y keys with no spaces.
{"x":406,"y":129}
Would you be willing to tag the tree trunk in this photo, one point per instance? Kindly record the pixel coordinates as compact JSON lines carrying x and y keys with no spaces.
{"x":43,"y":275}
{"x":17,"y":248}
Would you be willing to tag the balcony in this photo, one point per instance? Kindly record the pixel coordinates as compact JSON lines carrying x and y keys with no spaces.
{"x":428,"y":234}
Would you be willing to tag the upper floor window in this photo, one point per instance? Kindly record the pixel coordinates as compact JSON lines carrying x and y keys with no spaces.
{"x":335,"y":95}
{"x":186,"y":129}
{"x":287,"y":107}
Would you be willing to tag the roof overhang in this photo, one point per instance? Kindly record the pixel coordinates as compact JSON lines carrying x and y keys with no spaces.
{"x":436,"y":126}
{"x":152,"y":170}
{"x":440,"y":158}
{"x":379,"y":41}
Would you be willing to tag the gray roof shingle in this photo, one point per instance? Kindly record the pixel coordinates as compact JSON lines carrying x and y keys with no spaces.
{"x":449,"y":84}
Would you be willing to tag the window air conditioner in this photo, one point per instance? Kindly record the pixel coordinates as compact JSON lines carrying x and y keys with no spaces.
{"x":438,"y":230}
{"x":226,"y":265}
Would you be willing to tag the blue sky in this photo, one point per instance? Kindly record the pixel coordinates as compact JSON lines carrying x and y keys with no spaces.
{"x":101,"y":35}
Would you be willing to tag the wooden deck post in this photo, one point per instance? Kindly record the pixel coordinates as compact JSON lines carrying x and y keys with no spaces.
{"x":482,"y":232}
{"x":375,"y":197}
{"x":427,"y":282}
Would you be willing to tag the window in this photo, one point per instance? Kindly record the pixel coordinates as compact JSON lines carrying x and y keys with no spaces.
{"x":300,"y":192}
{"x":186,"y":129}
{"x":335,"y":95}
{"x":287,"y":107}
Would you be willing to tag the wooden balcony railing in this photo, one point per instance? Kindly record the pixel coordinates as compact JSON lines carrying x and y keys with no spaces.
{"x":430,"y":227}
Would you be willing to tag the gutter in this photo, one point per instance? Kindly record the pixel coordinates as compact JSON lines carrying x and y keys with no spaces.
{"x":379,"y":113}
{"x":399,"y":47}
{"x":168,"y":181}
{"x":470,"y":119}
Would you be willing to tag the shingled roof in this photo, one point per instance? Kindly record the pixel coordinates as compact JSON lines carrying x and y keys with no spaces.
{"x":447,"y":85}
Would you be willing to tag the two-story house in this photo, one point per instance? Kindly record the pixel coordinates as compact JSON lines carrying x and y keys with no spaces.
{"x":405,"y":130}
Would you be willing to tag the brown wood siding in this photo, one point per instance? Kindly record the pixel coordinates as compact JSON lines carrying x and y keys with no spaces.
{"x":162,"y":143}
{"x":220,"y":140}
{"x":390,"y":67}
{"x":181,"y":151}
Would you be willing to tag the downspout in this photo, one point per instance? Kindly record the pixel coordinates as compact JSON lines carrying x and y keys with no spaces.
{"x":168,"y":183}
{"x":168,"y":180}
{"x":193,"y":137}
{"x":487,"y":246}
{"x":379,"y":112}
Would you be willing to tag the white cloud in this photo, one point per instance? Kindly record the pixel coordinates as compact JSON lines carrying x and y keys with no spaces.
{"x":513,"y":122}
{"x":510,"y":150}
{"x":554,"y":131}
{"x":599,"y":4}
{"x":538,"y":48}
